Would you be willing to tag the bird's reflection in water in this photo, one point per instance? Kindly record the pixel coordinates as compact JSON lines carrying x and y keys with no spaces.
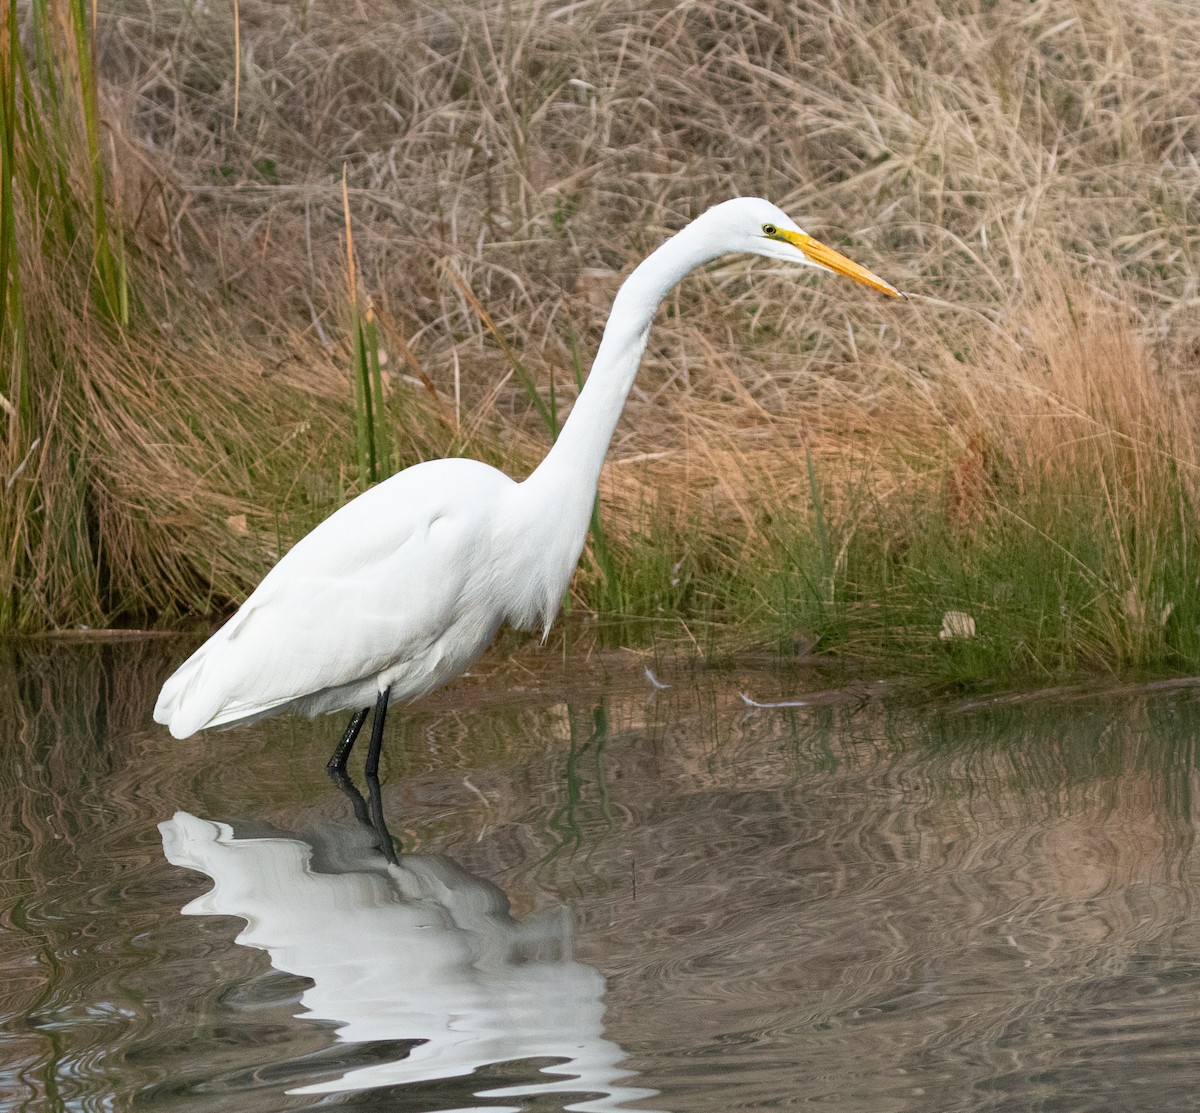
{"x":411,"y":948}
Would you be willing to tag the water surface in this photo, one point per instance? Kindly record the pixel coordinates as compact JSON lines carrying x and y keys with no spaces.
{"x":599,"y":895}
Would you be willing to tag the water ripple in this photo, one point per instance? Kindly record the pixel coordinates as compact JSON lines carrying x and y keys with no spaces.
{"x":857,"y":905}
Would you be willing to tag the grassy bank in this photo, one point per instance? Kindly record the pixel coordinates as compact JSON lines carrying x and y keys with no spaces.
{"x":799,"y":461}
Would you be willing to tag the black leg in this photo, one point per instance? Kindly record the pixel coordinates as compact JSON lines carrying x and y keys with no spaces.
{"x":372,"y":767}
{"x":337,"y":763}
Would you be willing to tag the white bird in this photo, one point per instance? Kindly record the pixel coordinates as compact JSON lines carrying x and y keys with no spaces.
{"x":405,"y":586}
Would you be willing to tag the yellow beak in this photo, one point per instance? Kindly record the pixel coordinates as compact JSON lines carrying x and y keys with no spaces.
{"x":835,"y":261}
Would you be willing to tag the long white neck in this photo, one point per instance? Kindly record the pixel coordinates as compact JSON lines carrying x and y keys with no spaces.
{"x":548,"y":516}
{"x":574,"y":461}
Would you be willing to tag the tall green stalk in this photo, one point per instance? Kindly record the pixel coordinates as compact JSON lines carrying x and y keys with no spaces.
{"x":370,"y":432}
{"x":50,"y":231}
{"x":374,"y":457}
{"x":108,"y":244}
{"x":11,"y":318}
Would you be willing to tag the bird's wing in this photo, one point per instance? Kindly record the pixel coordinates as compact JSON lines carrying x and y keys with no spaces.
{"x":379,"y":582}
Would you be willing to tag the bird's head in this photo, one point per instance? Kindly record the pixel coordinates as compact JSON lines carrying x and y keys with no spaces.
{"x":755,"y":226}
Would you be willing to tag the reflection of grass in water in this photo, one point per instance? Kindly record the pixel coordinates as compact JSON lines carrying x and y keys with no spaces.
{"x":1044,"y":757}
{"x":1058,"y":758}
{"x":62,"y":765}
{"x":591,"y":794}
{"x":79,"y":717}
{"x":568,"y":820}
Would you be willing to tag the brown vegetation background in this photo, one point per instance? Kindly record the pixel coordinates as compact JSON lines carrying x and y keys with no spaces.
{"x":1026,"y":171}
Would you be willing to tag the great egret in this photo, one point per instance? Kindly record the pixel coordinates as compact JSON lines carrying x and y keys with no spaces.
{"x":404,"y":587}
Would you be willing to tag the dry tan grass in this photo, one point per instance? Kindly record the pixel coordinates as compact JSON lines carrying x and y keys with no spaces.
{"x":516,"y":151}
{"x":519,"y":158}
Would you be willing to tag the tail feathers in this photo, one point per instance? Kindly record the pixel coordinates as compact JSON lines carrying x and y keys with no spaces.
{"x":182,"y":707}
{"x":197,"y":696}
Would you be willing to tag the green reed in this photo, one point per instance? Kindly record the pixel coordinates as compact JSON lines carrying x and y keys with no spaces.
{"x":370,"y":427}
{"x":50,"y":227}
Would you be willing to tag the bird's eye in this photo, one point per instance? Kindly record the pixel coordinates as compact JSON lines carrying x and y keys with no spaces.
{"x":770,"y":230}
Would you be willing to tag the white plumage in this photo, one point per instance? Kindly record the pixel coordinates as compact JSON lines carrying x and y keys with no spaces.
{"x":396,"y":589}
{"x":404,"y":587}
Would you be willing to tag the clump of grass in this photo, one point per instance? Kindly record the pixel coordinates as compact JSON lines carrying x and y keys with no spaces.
{"x":796,"y":455}
{"x":53,"y":222}
{"x":1062,"y":519}
{"x":153,"y":461}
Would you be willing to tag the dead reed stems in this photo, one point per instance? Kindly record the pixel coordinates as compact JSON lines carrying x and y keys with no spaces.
{"x":1016,"y":444}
